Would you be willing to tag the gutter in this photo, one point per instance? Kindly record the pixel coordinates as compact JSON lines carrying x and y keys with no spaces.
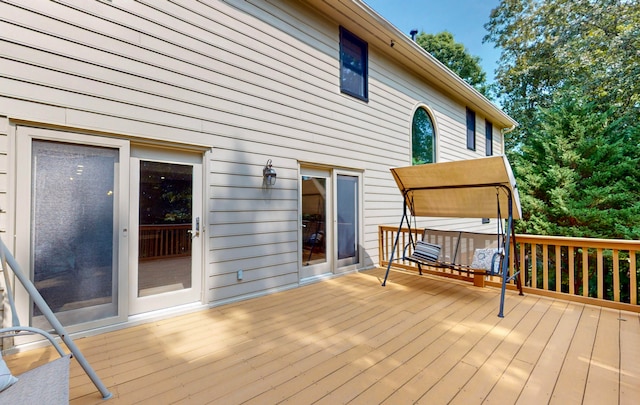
{"x":505,"y":131}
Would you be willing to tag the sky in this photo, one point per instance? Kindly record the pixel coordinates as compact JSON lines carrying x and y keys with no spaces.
{"x":465,"y":19}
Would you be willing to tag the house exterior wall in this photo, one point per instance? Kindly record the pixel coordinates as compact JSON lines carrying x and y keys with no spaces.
{"x":247,"y":81}
{"x":4,"y":175}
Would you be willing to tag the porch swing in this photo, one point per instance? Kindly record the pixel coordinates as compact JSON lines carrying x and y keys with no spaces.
{"x":476,"y":188}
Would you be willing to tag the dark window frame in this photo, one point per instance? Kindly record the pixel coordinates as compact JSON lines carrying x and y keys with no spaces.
{"x":488,"y":135}
{"x":471,"y":129}
{"x":351,"y":45}
{"x":433,"y":134}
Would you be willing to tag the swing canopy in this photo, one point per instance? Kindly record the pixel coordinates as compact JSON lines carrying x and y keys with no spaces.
{"x":474,"y":188}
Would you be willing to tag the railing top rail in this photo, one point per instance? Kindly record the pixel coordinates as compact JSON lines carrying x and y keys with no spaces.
{"x":579,"y":242}
{"x":621,"y":244}
{"x":177,"y":226}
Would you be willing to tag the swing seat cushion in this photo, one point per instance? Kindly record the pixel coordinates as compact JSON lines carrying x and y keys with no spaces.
{"x":45,"y":384}
{"x":6,"y":378}
{"x":426,"y":251}
{"x":487,"y":259}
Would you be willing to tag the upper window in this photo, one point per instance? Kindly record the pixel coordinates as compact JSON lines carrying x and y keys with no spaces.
{"x":353,"y":65}
{"x":488,"y":134}
{"x":423,"y":138}
{"x":471,"y":129}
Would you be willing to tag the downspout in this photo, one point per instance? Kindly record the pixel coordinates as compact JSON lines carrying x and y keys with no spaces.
{"x":503,"y":132}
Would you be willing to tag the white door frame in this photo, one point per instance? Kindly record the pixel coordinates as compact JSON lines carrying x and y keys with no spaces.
{"x":24,"y":138}
{"x":348,"y":265}
{"x":312,"y":271}
{"x":332,"y":265}
{"x":138,"y":305}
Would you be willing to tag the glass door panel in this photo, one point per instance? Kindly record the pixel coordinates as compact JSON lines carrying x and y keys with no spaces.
{"x":347,"y":207}
{"x":73,"y":237}
{"x":165,"y":267}
{"x":314,"y":219}
{"x":164,"y":241}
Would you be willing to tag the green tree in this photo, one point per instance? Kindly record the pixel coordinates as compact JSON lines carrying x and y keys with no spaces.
{"x":551,"y":45}
{"x":455,"y":56}
{"x":570,"y":75}
{"x":577,"y":174}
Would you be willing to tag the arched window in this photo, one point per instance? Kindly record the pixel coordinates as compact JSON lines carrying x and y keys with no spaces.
{"x":423,"y":138}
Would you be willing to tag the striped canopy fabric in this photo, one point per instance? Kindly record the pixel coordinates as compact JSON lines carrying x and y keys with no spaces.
{"x":473,"y":188}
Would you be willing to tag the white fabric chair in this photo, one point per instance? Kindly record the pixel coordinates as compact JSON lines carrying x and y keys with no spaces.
{"x":46,"y":384}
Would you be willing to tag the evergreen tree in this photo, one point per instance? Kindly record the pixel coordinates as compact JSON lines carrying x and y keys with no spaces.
{"x":578,"y":172}
{"x":570,"y":75}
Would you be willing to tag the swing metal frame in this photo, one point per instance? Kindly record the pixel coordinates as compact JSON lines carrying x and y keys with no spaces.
{"x":469,"y":186}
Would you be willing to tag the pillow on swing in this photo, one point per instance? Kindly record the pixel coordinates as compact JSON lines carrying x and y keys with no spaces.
{"x":427,"y":251}
{"x":487,"y":259}
{"x":6,"y":378}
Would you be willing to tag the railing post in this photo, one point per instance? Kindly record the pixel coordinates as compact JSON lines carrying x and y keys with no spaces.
{"x":600,"y":269}
{"x":633,"y":282}
{"x":558,"y":268}
{"x":616,"y":276}
{"x":534,"y":265}
{"x":572,"y":272}
{"x":585,"y":271}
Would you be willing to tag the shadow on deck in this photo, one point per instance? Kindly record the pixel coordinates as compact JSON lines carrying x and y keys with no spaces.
{"x":349,"y":340}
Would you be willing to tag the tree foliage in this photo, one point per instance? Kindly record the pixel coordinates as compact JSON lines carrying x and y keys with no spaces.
{"x":570,"y":75}
{"x":577,"y":175}
{"x":455,"y":56}
{"x":551,"y":45}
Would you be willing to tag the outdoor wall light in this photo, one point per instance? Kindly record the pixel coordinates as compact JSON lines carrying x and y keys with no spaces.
{"x":269,"y":174}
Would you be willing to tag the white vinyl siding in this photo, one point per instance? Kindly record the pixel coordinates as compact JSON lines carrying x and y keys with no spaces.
{"x":252,"y":80}
{"x":4,"y":180}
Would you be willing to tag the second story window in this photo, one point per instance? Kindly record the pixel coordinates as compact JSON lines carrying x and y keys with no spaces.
{"x":488,"y":134}
{"x":471,"y":129}
{"x":423,"y":138}
{"x":353,"y":65}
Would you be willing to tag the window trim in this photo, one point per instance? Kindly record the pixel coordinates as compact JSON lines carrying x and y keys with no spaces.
{"x":471,"y":129}
{"x":488,"y":136}
{"x":364,"y":55}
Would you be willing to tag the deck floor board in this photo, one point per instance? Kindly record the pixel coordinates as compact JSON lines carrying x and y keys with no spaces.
{"x":420,"y":340}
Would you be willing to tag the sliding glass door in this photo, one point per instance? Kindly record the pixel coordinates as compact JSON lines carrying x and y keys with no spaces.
{"x":330,"y":212}
{"x":74,"y":191}
{"x":348,"y":219}
{"x":106,"y":230}
{"x":316,"y":222}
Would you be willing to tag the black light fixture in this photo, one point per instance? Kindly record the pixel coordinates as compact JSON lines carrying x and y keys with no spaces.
{"x":269,"y":174}
{"x":413,"y":34}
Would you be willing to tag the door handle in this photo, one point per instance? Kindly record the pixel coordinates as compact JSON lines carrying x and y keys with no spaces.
{"x":195,"y":233}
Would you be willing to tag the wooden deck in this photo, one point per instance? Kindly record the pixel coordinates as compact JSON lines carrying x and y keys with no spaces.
{"x":419,"y":340}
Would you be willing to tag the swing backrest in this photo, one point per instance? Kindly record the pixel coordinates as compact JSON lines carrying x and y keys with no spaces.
{"x":458,"y":247}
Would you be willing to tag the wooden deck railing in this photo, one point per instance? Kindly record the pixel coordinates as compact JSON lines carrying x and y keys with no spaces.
{"x":596,"y":271}
{"x":159,"y":241}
